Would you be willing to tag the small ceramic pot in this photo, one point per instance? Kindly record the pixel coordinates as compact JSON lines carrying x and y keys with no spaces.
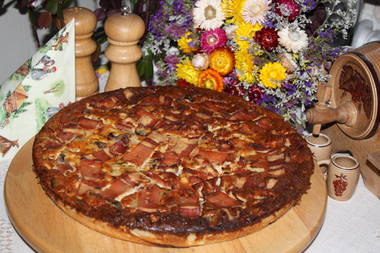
{"x":321,"y":148}
{"x":342,"y":176}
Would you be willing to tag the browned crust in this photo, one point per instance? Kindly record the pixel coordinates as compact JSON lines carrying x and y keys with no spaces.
{"x":168,"y":239}
{"x":122,"y":232}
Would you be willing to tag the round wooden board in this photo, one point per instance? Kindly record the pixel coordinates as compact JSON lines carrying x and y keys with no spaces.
{"x":48,"y":230}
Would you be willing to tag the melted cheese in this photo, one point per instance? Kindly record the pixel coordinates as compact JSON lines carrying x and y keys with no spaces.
{"x":127,"y":193}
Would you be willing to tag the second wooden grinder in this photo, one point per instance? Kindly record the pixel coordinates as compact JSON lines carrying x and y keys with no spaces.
{"x":124,"y":32}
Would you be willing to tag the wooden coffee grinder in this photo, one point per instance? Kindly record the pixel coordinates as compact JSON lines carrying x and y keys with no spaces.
{"x":351,"y":100}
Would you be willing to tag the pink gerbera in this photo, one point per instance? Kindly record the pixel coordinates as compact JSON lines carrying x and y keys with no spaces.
{"x":213,"y":39}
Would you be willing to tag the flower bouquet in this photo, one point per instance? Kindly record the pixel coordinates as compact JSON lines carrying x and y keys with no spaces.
{"x":271,"y":52}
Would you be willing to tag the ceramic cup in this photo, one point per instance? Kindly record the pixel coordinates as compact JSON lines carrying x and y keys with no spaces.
{"x":342,"y":176}
{"x":321,"y":148}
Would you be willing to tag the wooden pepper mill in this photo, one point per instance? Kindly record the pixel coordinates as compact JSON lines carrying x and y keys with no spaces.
{"x":124,"y":32}
{"x":85,"y":22}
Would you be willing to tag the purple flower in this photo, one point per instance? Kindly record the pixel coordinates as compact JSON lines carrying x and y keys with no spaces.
{"x":310,"y":4}
{"x":172,"y":59}
{"x":164,"y":24}
{"x":178,"y":7}
{"x":290,"y":104}
{"x":335,"y":52}
{"x":269,"y":24}
{"x":175,"y":30}
{"x":290,"y":88}
{"x":328,"y":35}
{"x":309,"y":84}
{"x":269,"y":99}
{"x":272,"y":108}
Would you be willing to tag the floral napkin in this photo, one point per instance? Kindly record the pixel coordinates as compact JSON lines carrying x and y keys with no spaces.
{"x":37,"y":90}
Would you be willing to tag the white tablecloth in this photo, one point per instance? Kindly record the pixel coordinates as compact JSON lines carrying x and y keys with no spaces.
{"x":351,"y":227}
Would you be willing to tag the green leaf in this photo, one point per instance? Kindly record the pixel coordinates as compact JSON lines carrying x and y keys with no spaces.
{"x":140,"y":69}
{"x":145,"y":68}
{"x":52,"y":6}
{"x":149,"y":70}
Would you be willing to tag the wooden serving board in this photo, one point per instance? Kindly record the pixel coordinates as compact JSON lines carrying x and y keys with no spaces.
{"x":48,"y":230}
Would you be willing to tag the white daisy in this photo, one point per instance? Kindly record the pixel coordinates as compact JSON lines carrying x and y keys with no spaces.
{"x":208,"y":14}
{"x":254,"y":11}
{"x":293,"y":39}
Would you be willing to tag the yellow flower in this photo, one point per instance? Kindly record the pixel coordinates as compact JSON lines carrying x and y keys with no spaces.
{"x":272,"y":74}
{"x":186,"y":71}
{"x":233,"y":10}
{"x":244,"y":66}
{"x":244,"y":45}
{"x":184,"y":43}
{"x":247,"y":30}
{"x":244,"y":32}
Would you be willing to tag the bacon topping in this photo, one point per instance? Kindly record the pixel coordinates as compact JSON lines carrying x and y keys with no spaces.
{"x":190,"y":211}
{"x":91,"y":168}
{"x":139,"y":154}
{"x":188,"y":196}
{"x":123,"y":126}
{"x":149,"y":200}
{"x":184,"y":149}
{"x":213,"y":156}
{"x":117,"y":187}
{"x":169,"y":158}
{"x":66,"y":136}
{"x":53,"y":144}
{"x":118,"y":148}
{"x":90,"y":123}
{"x":146,"y":118}
{"x":149,"y":100}
{"x":107,"y":103}
{"x":133,"y":178}
{"x":222,"y":199}
{"x":101,"y":156}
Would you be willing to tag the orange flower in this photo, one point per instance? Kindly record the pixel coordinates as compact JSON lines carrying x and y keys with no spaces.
{"x":210,"y":79}
{"x":222,"y":60}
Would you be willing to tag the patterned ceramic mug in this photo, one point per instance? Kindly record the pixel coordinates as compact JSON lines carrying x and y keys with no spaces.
{"x":342,"y":176}
{"x":321,"y":148}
